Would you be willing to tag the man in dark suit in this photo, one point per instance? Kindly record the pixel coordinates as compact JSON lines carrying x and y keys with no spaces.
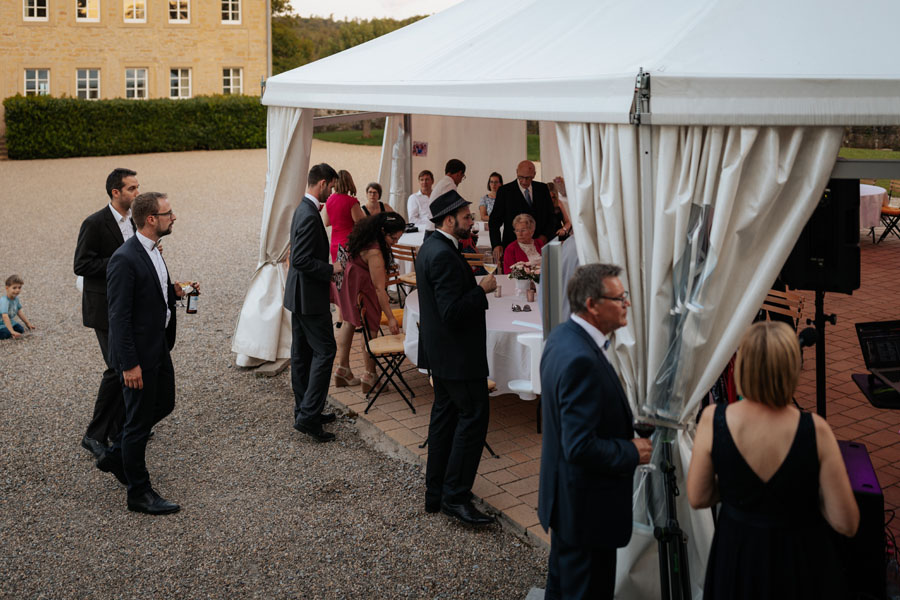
{"x":101,"y":234}
{"x":589,"y":452}
{"x":141,"y":335}
{"x":524,"y":195}
{"x":307,"y":296}
{"x":452,"y":344}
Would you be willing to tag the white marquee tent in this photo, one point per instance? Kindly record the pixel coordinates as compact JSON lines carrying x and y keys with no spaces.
{"x":699,"y":188}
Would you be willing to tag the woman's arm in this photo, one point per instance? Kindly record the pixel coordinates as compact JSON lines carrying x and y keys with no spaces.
{"x":356,"y":212}
{"x":835,"y":495}
{"x":378,"y":274}
{"x":483,"y":210}
{"x":702,"y":488}
{"x":325,"y":218}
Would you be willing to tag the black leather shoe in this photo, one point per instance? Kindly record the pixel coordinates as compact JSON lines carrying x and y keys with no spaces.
{"x":152,"y":503}
{"x":326,"y":418}
{"x":466,"y":513}
{"x":314,"y":430}
{"x":111,"y":462}
{"x":95,"y":447}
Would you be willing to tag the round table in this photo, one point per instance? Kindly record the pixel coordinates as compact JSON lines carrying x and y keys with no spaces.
{"x":871,"y":199}
{"x":507,"y":358}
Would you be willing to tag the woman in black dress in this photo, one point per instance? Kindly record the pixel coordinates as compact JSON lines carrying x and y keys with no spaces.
{"x":779,"y":475}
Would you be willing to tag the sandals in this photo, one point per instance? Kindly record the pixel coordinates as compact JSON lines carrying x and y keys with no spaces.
{"x":368,"y":382}
{"x":343,"y":377}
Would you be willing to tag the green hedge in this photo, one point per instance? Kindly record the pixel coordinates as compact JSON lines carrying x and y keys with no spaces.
{"x":47,"y":127}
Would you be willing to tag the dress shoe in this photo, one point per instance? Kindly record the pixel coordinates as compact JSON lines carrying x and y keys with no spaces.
{"x":466,"y":513}
{"x":152,"y":503}
{"x":314,"y":430}
{"x":432,"y":507}
{"x":95,"y":447}
{"x":111,"y":462}
{"x":326,"y":418}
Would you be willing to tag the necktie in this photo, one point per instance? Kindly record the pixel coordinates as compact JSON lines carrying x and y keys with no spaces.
{"x":606,"y":345}
{"x":527,"y":196}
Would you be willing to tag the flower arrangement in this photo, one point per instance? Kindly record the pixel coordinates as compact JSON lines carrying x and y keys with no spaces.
{"x":525,"y":271}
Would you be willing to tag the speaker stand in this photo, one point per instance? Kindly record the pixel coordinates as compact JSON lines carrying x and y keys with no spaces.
{"x":819,"y":324}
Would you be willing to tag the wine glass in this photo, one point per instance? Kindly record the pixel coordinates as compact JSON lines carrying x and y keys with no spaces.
{"x":644,"y":429}
{"x":489,"y":265}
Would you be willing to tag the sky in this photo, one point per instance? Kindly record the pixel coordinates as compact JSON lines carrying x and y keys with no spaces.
{"x":369,"y":9}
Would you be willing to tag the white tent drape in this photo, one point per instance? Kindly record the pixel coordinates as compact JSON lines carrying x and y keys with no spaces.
{"x":728,"y":204}
{"x":263,"y":330}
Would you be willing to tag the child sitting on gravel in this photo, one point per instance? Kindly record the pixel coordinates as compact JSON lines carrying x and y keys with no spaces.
{"x":10,"y":308}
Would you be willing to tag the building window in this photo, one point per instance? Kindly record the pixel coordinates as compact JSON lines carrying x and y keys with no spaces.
{"x":136,"y":84}
{"x":87,"y":10}
{"x":179,"y":83}
{"x":35,"y":10}
{"x":135,"y":11}
{"x":37,"y":82}
{"x":231,"y":81}
{"x":87,"y":83}
{"x":179,"y":11}
{"x":231,"y":11}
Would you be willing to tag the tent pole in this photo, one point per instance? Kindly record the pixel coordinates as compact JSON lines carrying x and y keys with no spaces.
{"x":407,"y":126}
{"x":640,"y":118}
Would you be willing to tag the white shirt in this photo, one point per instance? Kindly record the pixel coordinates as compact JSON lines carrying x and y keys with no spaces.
{"x":449,"y":237}
{"x":161,"y":272}
{"x":124,"y":223}
{"x":418,"y":209}
{"x":314,"y":201}
{"x":592,"y":331}
{"x":530,"y":192}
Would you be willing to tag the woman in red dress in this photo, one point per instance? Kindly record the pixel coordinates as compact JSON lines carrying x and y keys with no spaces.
{"x":369,"y":247}
{"x":342,"y":210}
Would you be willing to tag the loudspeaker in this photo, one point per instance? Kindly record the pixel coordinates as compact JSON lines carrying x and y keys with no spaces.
{"x":862,"y":556}
{"x":826,"y":256}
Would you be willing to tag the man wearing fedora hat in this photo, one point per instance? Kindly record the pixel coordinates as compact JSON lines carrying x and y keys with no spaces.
{"x":452,"y":345}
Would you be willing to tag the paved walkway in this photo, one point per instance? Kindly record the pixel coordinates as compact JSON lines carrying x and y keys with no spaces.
{"x":509,"y":483}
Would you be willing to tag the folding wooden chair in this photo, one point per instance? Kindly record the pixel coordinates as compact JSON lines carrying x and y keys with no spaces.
{"x":407,"y":281}
{"x":388,"y":354}
{"x":867,"y":181}
{"x":890,"y":215}
{"x":785,"y":303}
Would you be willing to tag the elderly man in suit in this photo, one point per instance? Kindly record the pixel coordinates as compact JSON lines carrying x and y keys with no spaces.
{"x":452,"y":344}
{"x":524,"y":195}
{"x":141,"y":336}
{"x":307,"y":296}
{"x":101,"y":234}
{"x":589,"y":451}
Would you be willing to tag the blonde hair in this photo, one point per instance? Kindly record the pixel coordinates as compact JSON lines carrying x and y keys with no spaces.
{"x":768,"y":364}
{"x":344,"y":184}
{"x":526,"y":218}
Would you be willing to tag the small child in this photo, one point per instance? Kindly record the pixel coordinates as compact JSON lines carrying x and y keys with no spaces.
{"x":10,"y":308}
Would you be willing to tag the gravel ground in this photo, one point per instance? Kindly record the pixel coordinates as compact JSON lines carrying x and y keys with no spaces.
{"x":266,"y":512}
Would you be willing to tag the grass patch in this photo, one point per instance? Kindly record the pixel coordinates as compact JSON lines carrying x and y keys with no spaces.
{"x":534,"y":146}
{"x":867,"y":154}
{"x":351,"y":137}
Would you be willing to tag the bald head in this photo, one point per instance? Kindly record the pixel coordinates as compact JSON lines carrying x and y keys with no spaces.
{"x":525,"y":173}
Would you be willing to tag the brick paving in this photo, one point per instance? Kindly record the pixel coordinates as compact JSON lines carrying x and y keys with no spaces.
{"x":509,"y":483}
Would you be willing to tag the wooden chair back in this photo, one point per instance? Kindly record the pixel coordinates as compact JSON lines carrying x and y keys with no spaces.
{"x":784,"y":303}
{"x":867,"y":181}
{"x":894,"y":191}
{"x":404,"y":253}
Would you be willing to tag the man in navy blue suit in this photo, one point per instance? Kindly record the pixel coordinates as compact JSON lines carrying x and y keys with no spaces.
{"x":589,"y":451}
{"x":141,"y":335}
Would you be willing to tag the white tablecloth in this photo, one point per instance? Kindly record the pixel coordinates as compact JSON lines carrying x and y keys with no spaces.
{"x":416,"y":238}
{"x":507,"y":358}
{"x":871,"y":199}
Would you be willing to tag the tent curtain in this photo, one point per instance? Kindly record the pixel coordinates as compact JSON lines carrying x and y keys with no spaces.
{"x":263,"y":329}
{"x":699,"y":255}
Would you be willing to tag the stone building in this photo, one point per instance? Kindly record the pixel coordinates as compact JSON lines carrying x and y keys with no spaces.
{"x":133,"y":48}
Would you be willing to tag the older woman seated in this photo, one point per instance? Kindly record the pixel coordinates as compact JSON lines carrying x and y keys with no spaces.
{"x":525,"y":248}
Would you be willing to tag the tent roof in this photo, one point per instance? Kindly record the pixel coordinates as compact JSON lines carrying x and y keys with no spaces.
{"x":727,"y":62}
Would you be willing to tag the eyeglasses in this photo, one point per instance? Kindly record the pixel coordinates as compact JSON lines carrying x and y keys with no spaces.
{"x":517,"y":308}
{"x":524,"y":177}
{"x":620,"y":299}
{"x":165,"y":214}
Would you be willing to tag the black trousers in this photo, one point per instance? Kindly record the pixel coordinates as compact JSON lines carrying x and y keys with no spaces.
{"x":144,"y":408}
{"x":459,"y":423}
{"x":312,"y":356}
{"x":577,"y":572}
{"x":109,"y":408}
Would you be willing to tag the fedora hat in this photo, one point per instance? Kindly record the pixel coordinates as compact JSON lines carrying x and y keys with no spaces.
{"x":445,"y":204}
